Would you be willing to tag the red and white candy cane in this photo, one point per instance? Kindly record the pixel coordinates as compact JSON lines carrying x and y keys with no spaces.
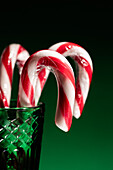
{"x":12,"y":54}
{"x":65,"y":80}
{"x":85,"y":70}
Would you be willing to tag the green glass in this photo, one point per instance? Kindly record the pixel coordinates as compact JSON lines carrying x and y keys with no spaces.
{"x":20,"y":137}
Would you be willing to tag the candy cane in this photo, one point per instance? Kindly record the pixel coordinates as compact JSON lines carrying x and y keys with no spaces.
{"x":85,"y":70}
{"x":12,"y":54}
{"x":65,"y":80}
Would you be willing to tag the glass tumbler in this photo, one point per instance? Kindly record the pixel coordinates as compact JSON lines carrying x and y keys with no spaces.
{"x":20,"y":137}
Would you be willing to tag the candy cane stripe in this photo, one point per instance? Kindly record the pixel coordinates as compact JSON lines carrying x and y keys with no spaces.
{"x":8,"y":66}
{"x":3,"y":99}
{"x":79,"y":97}
{"x":65,"y":108}
{"x":27,"y":86}
{"x":85,"y":64}
{"x":62,"y":48}
{"x":20,"y":49}
{"x":41,"y":77}
{"x":5,"y":84}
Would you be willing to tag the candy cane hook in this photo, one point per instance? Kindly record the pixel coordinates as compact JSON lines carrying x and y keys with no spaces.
{"x":85,"y":70}
{"x":65,"y":80}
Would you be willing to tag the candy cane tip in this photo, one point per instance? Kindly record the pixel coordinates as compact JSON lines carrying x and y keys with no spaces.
{"x":76,"y":113}
{"x":77,"y":116}
{"x":64,"y":129}
{"x":61,"y":125}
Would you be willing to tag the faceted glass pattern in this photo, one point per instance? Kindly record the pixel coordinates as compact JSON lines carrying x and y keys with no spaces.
{"x":20,"y":137}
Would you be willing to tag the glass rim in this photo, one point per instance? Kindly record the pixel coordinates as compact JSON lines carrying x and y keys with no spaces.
{"x":40,"y":104}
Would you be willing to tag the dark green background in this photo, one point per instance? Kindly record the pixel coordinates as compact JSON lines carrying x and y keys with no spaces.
{"x":89,"y":143}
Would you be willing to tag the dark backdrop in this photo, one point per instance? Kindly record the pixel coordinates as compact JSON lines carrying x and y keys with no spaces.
{"x":89,"y":143}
